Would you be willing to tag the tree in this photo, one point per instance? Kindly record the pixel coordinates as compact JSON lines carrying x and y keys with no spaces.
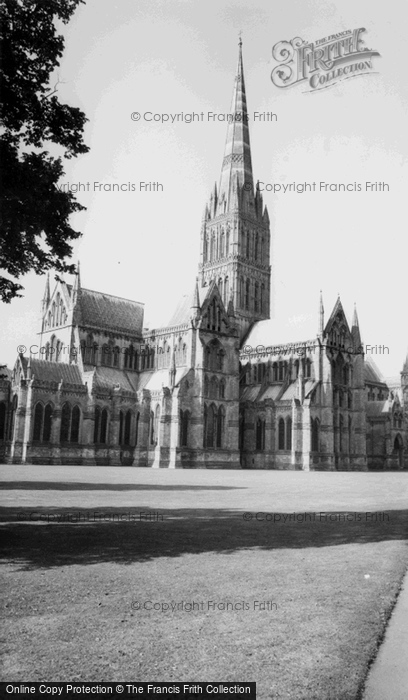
{"x":34,"y":226}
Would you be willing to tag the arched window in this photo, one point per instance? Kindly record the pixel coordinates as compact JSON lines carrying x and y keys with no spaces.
{"x":12,"y":418}
{"x":116,"y":354}
{"x":345,"y":375}
{"x":226,"y":292}
{"x":207,"y":357}
{"x":57,"y":310}
{"x":308,"y":368}
{"x":281,"y":434}
{"x":184,"y":420}
{"x":97,"y":424}
{"x":289,"y":433}
{"x":349,"y":400}
{"x":46,"y":437}
{"x":350,"y":434}
{"x":220,"y":426}
{"x":262,"y":298}
{"x":205,"y":427}
{"x":128,"y":424}
{"x":157,"y":423}
{"x":213,"y":388}
{"x":70,"y":423}
{"x":2,"y":420}
{"x":125,"y":422}
{"x":137,"y":428}
{"x":38,"y":422}
{"x":220,"y":359}
{"x":205,"y":248}
{"x":256,"y":297}
{"x":75,"y":421}
{"x":315,"y":434}
{"x":275,"y":372}
{"x":47,"y":351}
{"x":247,"y":245}
{"x":104,"y":426}
{"x":65,"y":422}
{"x":101,"y":425}
{"x":106,"y":355}
{"x":256,"y":247}
{"x":222,"y":389}
{"x":281,"y":371}
{"x":94,"y":353}
{"x":222,"y":245}
{"x":247,"y":293}
{"x":220,"y":287}
{"x":227,"y":243}
{"x":341,"y":433}
{"x":260,"y":434}
{"x":211,"y":426}
{"x":241,"y":293}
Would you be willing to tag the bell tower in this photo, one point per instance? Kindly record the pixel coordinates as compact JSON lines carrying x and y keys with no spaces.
{"x":235,"y":235}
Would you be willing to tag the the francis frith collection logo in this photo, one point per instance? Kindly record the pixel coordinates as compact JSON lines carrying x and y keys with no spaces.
{"x":324,"y":62}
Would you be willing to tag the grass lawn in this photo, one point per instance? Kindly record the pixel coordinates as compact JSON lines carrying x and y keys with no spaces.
{"x":79,"y":594}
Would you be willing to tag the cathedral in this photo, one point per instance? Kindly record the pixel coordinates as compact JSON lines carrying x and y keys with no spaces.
{"x":222,"y":386}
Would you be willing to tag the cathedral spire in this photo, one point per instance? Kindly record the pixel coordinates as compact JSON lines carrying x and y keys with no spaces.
{"x":47,"y":295}
{"x":355,"y":329}
{"x":321,"y":314}
{"x":237,"y":153}
{"x":405,"y":367}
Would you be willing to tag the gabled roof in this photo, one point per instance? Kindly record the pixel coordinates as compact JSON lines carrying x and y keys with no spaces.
{"x":183,"y":311}
{"x":160,"y":378}
{"x":377,"y":408}
{"x":108,"y":312}
{"x":372,"y":374}
{"x":338,"y":309}
{"x":281,"y":331}
{"x":45,"y":371}
{"x":109,"y":378}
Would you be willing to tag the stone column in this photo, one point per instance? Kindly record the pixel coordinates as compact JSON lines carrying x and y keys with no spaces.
{"x":113,"y":432}
{"x":27,"y":422}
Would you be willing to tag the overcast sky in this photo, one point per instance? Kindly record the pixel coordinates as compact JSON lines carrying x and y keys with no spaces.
{"x":161,"y":56}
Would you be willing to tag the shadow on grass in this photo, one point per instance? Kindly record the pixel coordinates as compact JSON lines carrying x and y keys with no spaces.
{"x":125,"y":536}
{"x":81,"y":486}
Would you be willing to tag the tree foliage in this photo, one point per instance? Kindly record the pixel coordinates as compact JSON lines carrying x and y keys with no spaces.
{"x":34,"y":226}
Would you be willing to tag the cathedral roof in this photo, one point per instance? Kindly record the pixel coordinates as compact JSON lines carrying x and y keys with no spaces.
{"x":372,"y":374}
{"x":105,"y":311}
{"x":110,"y":377}
{"x":45,"y":371}
{"x":377,"y":408}
{"x":272,"y":392}
{"x":183,"y":311}
{"x":159,"y":379}
{"x":275,"y":332}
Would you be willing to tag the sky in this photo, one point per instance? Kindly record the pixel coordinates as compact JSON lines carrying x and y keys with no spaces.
{"x":161,"y":57}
